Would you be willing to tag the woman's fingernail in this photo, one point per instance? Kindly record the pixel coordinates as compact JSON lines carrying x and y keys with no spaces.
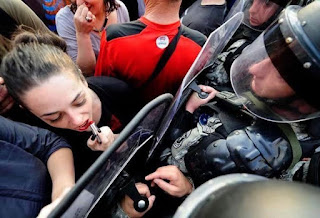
{"x":99,"y":130}
{"x":93,"y":137}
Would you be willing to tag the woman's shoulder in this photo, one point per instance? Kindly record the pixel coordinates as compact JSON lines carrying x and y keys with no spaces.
{"x":64,"y":14}
{"x":107,"y":83}
{"x":122,"y":12}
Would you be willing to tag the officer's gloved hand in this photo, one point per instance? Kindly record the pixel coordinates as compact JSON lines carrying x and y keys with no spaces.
{"x":195,"y":101}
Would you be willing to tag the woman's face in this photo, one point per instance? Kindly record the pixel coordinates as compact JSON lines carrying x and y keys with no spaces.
{"x":95,"y":6}
{"x":267,"y":82}
{"x":260,"y":12}
{"x":63,"y":101}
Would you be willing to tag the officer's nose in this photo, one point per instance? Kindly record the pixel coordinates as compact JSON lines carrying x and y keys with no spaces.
{"x":259,"y":69}
{"x":254,"y":7}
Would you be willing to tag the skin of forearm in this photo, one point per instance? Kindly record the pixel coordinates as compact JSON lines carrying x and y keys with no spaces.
{"x":86,"y":58}
{"x":61,"y":169}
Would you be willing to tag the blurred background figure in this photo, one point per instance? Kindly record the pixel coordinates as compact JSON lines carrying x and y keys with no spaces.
{"x":204,"y":15}
{"x":122,"y":56}
{"x":81,"y":25}
{"x":47,"y":10}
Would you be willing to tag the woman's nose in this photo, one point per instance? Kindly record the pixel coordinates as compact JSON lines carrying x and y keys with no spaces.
{"x":76,"y":119}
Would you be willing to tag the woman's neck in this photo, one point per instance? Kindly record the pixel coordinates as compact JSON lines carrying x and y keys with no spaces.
{"x":100,"y":19}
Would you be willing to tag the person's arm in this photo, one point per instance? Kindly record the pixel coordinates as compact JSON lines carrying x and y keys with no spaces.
{"x":86,"y":58}
{"x":61,"y":169}
{"x":75,"y":30}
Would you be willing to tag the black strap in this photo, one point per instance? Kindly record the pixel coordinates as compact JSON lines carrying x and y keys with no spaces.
{"x":164,"y":58}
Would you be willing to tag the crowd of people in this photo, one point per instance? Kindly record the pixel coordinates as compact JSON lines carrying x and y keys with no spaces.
{"x":100,"y":61}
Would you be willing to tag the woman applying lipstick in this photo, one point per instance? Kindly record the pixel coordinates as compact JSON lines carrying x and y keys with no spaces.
{"x":81,"y":25}
{"x":45,"y":81}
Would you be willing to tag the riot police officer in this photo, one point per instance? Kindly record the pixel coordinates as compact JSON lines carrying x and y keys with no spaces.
{"x":258,"y":15}
{"x":272,"y":124}
{"x":274,"y":78}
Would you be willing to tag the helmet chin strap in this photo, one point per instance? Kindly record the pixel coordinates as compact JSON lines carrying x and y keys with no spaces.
{"x":283,"y":104}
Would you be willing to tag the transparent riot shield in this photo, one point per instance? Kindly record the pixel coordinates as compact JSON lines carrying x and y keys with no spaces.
{"x":215,"y":43}
{"x":101,"y":175}
{"x":237,"y":7}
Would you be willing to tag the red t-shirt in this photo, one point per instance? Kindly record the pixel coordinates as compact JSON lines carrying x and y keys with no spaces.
{"x":131,"y":51}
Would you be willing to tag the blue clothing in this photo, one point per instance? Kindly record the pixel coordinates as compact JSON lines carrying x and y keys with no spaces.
{"x":24,"y":179}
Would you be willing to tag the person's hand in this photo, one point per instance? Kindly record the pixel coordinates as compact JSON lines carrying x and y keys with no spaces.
{"x":44,"y":213}
{"x":195,"y":101}
{"x":178,"y":184}
{"x":6,"y":101}
{"x":127,"y":203}
{"x":107,"y":137}
{"x":84,"y":20}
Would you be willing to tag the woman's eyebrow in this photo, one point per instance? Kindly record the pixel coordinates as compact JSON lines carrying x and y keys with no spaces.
{"x":77,"y":96}
{"x":48,"y":114}
{"x":51,"y":113}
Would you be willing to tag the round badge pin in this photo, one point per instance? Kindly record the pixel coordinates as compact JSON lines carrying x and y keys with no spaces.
{"x":162,"y":41}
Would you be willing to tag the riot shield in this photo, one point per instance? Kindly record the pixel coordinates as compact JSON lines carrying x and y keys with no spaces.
{"x":237,"y":7}
{"x":215,"y":43}
{"x":101,"y":175}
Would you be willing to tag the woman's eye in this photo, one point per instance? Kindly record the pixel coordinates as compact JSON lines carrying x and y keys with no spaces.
{"x":55,"y":120}
{"x":81,"y":103}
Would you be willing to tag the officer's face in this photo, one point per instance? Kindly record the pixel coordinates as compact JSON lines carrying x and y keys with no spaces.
{"x":260,"y":12}
{"x":267,"y":82}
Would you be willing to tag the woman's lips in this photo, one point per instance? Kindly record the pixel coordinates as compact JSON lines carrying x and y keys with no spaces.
{"x":85,"y":125}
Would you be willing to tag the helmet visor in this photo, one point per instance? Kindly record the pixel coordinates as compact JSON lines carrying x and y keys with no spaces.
{"x":270,"y":97}
{"x":258,"y":14}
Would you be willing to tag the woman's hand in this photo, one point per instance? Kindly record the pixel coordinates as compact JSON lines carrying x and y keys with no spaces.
{"x":178,"y":184}
{"x":6,"y":101}
{"x":195,"y":101}
{"x":127,"y":203}
{"x":84,"y":20}
{"x":107,"y":138}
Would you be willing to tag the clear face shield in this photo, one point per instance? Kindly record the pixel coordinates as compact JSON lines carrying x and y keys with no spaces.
{"x":263,"y":78}
{"x":258,"y":14}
